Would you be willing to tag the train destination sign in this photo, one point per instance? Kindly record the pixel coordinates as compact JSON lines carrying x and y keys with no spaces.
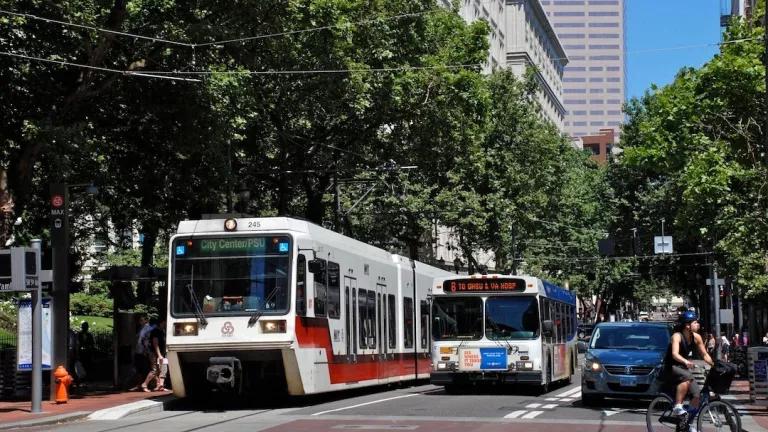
{"x":484,"y":285}
{"x":231,"y":246}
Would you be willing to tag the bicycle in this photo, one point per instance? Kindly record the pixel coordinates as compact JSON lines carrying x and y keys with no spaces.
{"x":712,"y":414}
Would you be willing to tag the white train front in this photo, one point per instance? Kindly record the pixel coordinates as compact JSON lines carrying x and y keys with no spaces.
{"x":279,"y":304}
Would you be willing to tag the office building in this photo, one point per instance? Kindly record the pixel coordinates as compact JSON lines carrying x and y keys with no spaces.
{"x":594,"y":82}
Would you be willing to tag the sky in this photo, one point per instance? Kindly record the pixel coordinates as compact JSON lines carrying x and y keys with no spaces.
{"x":663,"y":24}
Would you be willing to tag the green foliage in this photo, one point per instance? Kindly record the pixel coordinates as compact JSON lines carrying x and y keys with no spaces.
{"x":692,"y":157}
{"x":90,"y":304}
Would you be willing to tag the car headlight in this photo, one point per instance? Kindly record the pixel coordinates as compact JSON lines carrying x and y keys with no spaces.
{"x":592,"y":364}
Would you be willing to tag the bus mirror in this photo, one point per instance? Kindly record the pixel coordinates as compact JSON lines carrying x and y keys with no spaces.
{"x":316,"y":265}
{"x":548,"y":328}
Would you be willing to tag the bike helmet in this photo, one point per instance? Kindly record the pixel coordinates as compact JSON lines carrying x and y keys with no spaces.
{"x":687,"y":317}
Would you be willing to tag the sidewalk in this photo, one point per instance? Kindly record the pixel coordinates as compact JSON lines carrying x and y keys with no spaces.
{"x":757,"y":411}
{"x":96,"y":397}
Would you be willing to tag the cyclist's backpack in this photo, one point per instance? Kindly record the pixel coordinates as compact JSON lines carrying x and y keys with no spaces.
{"x":720,"y":377}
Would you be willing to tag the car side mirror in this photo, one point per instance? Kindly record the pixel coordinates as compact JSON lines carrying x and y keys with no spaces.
{"x":548,"y":328}
{"x":316,"y":265}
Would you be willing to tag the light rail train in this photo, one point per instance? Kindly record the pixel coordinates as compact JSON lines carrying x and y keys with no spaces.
{"x":258,"y":304}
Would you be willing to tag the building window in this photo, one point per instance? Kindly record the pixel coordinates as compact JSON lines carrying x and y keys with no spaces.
{"x":597,"y":123}
{"x":578,"y":113}
{"x":576,"y":101}
{"x":614,"y":90}
{"x":604,"y":25}
{"x":595,"y":68}
{"x":596,"y":113}
{"x":576,"y":80}
{"x":569,"y":2}
{"x":569,"y":24}
{"x":603,"y":14}
{"x":571,"y":35}
{"x":575,"y":69}
{"x":580,"y":123}
{"x":603,"y":47}
{"x":604,"y":57}
{"x":595,"y":80}
{"x":572,"y":90}
{"x":603,"y":2}
{"x":614,"y":112}
{"x":581,"y":14}
{"x":614,"y":101}
{"x":574,"y":47}
{"x":596,"y":101}
{"x":596,"y":90}
{"x":614,"y":123}
{"x":604,"y":36}
{"x":613,"y":80}
{"x":613,"y":68}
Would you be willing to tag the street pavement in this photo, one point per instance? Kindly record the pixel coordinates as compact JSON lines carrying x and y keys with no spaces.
{"x":420,"y":408}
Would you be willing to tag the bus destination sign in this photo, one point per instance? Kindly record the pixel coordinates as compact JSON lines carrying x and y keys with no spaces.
{"x":483,"y":285}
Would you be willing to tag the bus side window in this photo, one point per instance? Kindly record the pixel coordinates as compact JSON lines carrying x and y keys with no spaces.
{"x":301,"y":285}
{"x":334,"y":290}
{"x":408,"y":321}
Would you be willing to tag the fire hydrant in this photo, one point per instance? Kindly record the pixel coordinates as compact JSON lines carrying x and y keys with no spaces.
{"x":63,"y":380}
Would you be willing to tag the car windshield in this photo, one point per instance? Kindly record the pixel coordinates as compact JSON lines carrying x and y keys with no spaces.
{"x":457,"y":318}
{"x":511,"y":318}
{"x":630,"y":338}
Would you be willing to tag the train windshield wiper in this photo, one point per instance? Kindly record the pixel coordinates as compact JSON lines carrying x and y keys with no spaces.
{"x":195,"y":303}
{"x":256,"y":315}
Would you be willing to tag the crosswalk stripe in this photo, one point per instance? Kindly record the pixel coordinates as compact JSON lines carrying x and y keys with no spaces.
{"x":532,"y":414}
{"x":515,"y":414}
{"x":570,"y":392}
{"x":550,"y":406}
{"x":533,"y":405}
{"x":552,"y":399}
{"x":569,"y":399}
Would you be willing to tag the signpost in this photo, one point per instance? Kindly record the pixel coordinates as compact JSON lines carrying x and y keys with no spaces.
{"x":20,"y":271}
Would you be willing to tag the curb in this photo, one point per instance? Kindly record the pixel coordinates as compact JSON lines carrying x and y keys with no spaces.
{"x":47,"y":420}
{"x":112,"y":413}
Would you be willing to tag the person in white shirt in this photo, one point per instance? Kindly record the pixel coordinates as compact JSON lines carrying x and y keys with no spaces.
{"x":725,"y":347}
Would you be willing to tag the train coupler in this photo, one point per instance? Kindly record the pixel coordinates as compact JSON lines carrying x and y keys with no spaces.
{"x":225,"y":373}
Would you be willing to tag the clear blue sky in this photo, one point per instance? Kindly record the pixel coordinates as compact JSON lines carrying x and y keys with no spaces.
{"x":655,"y":24}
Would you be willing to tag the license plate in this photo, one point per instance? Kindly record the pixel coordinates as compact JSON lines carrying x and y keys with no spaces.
{"x":628,"y":381}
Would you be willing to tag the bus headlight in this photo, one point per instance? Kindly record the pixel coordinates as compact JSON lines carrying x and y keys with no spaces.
{"x":273,"y":326}
{"x":185,"y":329}
{"x":524,"y":365}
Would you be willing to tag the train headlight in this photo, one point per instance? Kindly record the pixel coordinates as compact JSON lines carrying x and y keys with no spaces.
{"x":185,"y":329}
{"x":273,"y":326}
{"x":230,"y":225}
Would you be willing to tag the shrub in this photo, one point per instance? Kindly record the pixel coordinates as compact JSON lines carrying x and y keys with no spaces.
{"x":90,"y":304}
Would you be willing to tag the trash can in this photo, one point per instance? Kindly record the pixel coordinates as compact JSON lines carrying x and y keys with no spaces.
{"x":757,"y":368}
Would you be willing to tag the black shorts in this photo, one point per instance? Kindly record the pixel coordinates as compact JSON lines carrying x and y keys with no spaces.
{"x":677,"y":374}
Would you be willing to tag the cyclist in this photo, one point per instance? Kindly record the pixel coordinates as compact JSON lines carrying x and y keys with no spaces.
{"x":678,"y":364}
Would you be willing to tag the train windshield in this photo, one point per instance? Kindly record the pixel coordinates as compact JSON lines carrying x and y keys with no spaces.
{"x":511,"y":318}
{"x":455,"y":318}
{"x":231,"y":275}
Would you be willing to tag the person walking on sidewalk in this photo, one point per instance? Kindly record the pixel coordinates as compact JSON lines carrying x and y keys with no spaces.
{"x":725,"y":347}
{"x":141,"y":350}
{"x":85,"y":348}
{"x":157,"y":362}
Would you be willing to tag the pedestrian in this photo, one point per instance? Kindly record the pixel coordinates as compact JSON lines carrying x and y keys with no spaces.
{"x":725,"y":347}
{"x":711,"y":345}
{"x":735,"y":340}
{"x":85,"y":349}
{"x":141,"y":349}
{"x":157,"y":362}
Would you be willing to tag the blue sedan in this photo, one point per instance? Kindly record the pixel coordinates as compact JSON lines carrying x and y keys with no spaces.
{"x":624,"y":360}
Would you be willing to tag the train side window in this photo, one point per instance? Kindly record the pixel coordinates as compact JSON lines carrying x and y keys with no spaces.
{"x":371,"y":319}
{"x":354,"y":318}
{"x":362,"y":300}
{"x":301,"y":285}
{"x":321,"y":292}
{"x":334,"y":290}
{"x":424,"y":314}
{"x":379,"y":319}
{"x":391,"y":320}
{"x":408,"y":321}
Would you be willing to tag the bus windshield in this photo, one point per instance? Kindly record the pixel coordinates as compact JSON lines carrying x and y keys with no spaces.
{"x":511,"y":318}
{"x":231,"y":275}
{"x":457,"y":318}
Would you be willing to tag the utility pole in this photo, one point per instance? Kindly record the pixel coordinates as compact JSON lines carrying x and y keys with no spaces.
{"x":59,"y":201}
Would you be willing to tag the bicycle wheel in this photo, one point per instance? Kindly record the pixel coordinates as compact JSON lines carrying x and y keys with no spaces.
{"x":659,"y":417}
{"x":718,"y":416}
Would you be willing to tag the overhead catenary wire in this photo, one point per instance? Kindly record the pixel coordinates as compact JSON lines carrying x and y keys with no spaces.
{"x":220,"y":42}
{"x":97,"y":68}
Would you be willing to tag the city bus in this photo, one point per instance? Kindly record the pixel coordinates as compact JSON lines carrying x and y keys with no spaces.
{"x":503,"y":329}
{"x":281,"y":305}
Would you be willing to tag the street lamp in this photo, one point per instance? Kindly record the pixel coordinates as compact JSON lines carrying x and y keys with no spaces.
{"x":59,"y":202}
